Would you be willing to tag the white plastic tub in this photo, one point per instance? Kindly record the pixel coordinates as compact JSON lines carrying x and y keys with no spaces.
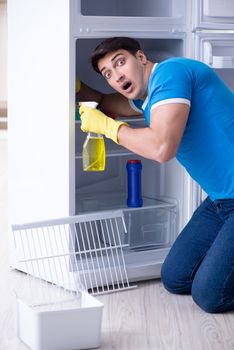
{"x":76,"y":325}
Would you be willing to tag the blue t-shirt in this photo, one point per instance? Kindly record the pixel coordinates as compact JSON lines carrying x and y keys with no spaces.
{"x":207,"y":146}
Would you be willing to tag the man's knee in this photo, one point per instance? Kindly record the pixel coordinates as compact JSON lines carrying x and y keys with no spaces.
{"x":207,"y":297}
{"x":173,"y":279}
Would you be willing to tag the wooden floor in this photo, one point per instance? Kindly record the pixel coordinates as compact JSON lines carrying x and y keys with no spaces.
{"x":144,"y":318}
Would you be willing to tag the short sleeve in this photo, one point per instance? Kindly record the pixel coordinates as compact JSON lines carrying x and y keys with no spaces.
{"x":172,"y":82}
{"x":136,"y":105}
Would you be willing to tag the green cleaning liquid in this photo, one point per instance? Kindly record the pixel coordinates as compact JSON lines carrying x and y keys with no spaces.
{"x":94,"y":154}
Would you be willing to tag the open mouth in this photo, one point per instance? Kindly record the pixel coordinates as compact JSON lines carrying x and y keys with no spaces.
{"x":127,"y":85}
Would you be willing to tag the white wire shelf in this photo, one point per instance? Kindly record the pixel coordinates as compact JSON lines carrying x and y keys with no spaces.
{"x":76,"y":253}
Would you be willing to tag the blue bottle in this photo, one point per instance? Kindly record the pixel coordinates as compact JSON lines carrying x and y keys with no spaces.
{"x":134,"y":168}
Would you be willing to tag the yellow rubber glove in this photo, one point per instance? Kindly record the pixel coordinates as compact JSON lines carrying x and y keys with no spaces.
{"x":77,"y":84}
{"x":93,"y":120}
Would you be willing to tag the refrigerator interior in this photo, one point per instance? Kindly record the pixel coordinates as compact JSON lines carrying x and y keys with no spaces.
{"x":105,"y":15}
{"x":156,"y":224}
{"x":165,"y":29}
{"x":166,"y":8}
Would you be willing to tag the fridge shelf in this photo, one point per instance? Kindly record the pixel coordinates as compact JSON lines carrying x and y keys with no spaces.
{"x":99,"y":202}
{"x":223,"y":62}
{"x":118,"y":152}
{"x":128,"y":120}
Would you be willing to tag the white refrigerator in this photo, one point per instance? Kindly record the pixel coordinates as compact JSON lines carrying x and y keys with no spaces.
{"x":49,"y":45}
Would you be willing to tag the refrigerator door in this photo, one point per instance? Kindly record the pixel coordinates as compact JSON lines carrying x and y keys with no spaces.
{"x":214,"y":14}
{"x":105,"y":16}
{"x":217,"y":50}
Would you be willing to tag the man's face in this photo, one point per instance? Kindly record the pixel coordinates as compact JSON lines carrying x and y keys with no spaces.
{"x":125,"y":73}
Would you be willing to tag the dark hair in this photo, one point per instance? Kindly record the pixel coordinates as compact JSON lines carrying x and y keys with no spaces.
{"x":113,"y":44}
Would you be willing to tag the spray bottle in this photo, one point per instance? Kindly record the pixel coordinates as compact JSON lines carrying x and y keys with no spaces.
{"x":93,"y":153}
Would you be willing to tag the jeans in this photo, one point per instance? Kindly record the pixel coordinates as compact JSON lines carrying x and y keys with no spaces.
{"x":201,"y":261}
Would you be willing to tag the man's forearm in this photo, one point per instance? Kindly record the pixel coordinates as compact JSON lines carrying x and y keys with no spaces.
{"x":144,"y":142}
{"x":113,"y":103}
{"x":86,"y":93}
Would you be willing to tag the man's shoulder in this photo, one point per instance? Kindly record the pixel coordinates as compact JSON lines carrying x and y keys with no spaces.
{"x":173,"y":61}
{"x":181,"y":63}
{"x":178,"y":68}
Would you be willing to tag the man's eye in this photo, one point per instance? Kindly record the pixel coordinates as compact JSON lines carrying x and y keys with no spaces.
{"x":107,"y":75}
{"x":120,"y":62}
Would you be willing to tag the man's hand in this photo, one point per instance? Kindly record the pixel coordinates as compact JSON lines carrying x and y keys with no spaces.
{"x":93,"y":120}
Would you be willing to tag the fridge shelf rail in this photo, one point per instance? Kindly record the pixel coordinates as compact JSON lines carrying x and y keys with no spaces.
{"x":118,"y":152}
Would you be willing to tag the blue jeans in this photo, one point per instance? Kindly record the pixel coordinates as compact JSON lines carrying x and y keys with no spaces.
{"x":201,"y":261}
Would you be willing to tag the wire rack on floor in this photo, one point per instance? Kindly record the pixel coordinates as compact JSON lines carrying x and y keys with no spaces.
{"x":66,"y":256}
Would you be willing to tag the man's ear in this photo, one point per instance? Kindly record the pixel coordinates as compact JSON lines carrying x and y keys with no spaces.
{"x":141,"y":56}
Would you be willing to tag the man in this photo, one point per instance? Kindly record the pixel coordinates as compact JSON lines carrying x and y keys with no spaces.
{"x":190,"y":115}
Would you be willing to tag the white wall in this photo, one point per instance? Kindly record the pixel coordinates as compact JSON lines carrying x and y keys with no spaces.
{"x":3,"y":51}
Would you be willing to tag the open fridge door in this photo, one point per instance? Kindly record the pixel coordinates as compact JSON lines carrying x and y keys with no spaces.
{"x":213,"y":14}
{"x":217,"y":50}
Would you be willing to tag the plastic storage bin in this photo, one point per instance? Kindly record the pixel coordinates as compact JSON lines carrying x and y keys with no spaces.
{"x":77,"y":327}
{"x":150,"y":227}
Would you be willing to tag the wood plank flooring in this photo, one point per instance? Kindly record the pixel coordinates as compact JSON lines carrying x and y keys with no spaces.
{"x":145,"y":318}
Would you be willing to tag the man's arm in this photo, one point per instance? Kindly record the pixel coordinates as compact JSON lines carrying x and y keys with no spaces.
{"x":108,"y":103}
{"x":161,"y":140}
